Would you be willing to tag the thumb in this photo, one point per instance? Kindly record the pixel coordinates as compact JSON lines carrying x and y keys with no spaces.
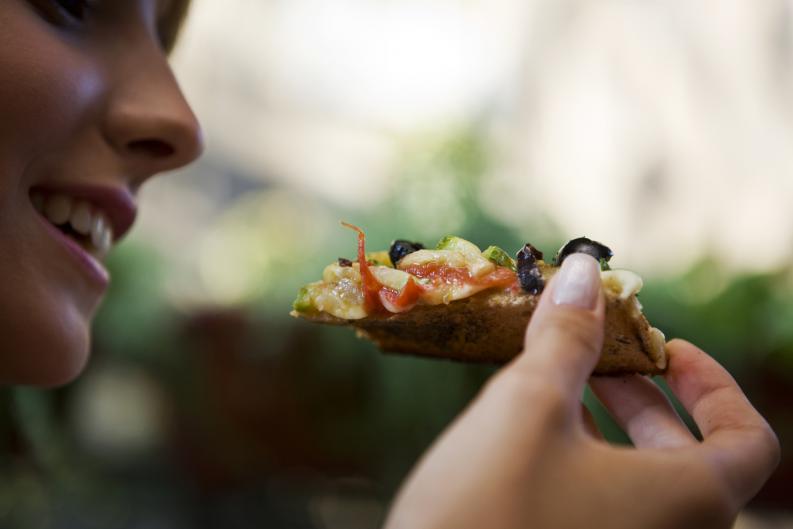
{"x":565,"y":334}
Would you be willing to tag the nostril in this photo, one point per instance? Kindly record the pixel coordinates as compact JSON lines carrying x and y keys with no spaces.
{"x":153,"y":148}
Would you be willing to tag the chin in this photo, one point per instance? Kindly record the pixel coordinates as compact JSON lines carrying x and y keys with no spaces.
{"x":47,"y":352}
{"x":65,"y":352}
{"x":67,"y":364}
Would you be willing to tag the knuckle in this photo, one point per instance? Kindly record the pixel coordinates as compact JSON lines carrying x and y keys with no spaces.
{"x":761,"y":440}
{"x":716,"y":506}
{"x":769,"y":450}
{"x":713,"y":509}
{"x":707,"y":501}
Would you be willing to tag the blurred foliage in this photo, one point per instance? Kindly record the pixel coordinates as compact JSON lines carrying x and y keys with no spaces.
{"x":744,"y":320}
{"x":136,"y":322}
{"x":436,"y":192}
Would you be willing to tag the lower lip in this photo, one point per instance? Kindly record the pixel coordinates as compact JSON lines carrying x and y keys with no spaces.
{"x":89,"y":264}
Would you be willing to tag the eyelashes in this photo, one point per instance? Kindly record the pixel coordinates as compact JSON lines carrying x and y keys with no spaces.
{"x":79,"y":17}
{"x":63,"y":12}
{"x":75,"y":9}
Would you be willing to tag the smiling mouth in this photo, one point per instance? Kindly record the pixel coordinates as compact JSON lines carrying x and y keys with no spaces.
{"x":79,"y":220}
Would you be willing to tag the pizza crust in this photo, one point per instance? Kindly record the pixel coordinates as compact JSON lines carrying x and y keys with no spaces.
{"x":489,"y":328}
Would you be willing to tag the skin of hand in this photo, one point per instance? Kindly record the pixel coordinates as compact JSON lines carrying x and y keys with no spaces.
{"x":526,"y":452}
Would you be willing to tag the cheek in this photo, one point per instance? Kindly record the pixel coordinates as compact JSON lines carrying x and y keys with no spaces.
{"x":47,"y":88}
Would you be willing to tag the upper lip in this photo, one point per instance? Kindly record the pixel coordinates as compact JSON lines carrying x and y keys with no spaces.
{"x":117,"y":203}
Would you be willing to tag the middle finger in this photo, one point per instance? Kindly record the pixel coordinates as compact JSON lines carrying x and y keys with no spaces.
{"x":642,"y":410}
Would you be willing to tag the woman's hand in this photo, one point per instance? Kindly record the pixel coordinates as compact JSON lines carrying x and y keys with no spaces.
{"x":526,"y":452}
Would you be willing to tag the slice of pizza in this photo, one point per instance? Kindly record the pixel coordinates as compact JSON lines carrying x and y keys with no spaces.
{"x":457,"y":302}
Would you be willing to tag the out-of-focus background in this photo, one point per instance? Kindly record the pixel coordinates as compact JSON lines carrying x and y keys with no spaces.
{"x":663,"y":128}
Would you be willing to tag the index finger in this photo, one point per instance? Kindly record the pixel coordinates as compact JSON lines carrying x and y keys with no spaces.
{"x":736,"y":438}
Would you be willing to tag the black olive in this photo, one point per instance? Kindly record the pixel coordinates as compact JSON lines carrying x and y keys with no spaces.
{"x":344,"y":262}
{"x":599,"y":251}
{"x":529,"y":273}
{"x":537,"y":254}
{"x":400,"y":248}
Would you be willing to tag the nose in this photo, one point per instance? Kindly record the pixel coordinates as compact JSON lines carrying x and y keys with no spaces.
{"x":148,"y":121}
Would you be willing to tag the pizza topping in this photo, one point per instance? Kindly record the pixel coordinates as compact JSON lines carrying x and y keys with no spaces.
{"x":400,"y":291}
{"x":379,"y":258}
{"x":472,"y":255}
{"x":499,"y":257}
{"x":500,"y":277}
{"x":390,"y":277}
{"x":529,"y":274}
{"x":303,"y":302}
{"x":400,"y":248}
{"x":438,"y":257}
{"x":444,"y":283}
{"x":621,"y":283}
{"x":537,"y":254}
{"x":600,"y":252}
{"x":456,"y":269}
{"x":339,"y":293}
{"x":335,"y":272}
{"x":343,"y":299}
{"x":402,"y":300}
{"x":384,"y":288}
{"x":371,"y":287}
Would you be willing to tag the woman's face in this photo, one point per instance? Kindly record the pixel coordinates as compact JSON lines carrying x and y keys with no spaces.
{"x":89,"y":109}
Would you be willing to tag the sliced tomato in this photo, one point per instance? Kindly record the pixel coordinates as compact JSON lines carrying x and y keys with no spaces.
{"x":500,"y":277}
{"x":440,"y":274}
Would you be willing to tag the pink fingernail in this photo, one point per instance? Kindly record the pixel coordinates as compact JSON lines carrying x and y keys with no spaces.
{"x":578,"y":281}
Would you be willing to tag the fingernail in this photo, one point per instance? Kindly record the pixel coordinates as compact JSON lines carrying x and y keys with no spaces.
{"x":578,"y":281}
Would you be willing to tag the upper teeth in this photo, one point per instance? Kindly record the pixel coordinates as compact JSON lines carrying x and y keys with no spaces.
{"x":81,"y":215}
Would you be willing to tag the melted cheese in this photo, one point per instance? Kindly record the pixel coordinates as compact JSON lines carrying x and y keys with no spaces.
{"x":446,"y":293}
{"x":390,"y":277}
{"x":474,"y":262}
{"x":621,"y":283}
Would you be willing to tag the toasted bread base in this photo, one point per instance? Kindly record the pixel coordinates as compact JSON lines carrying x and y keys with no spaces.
{"x":489,"y":328}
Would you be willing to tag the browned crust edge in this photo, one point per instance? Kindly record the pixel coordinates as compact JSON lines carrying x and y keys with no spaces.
{"x":489,"y":328}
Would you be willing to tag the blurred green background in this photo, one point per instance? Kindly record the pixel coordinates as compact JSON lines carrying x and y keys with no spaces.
{"x":206,"y":405}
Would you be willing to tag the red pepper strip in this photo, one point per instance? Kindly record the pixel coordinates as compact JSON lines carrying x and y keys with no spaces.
{"x":403,"y":300}
{"x":371,"y":286}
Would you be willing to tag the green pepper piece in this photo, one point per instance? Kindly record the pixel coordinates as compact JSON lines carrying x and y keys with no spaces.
{"x":303,"y":302}
{"x":498,"y":256}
